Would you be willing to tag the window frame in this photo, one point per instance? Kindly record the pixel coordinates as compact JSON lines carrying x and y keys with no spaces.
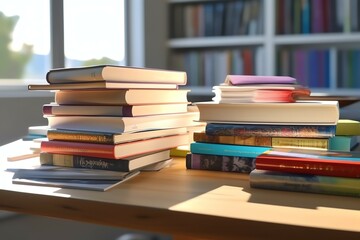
{"x":10,"y":88}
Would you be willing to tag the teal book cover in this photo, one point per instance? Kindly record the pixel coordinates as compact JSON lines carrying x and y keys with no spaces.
{"x":342,"y":186}
{"x":227,"y":150}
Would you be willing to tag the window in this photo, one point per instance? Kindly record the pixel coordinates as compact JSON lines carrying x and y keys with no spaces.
{"x":94,"y":34}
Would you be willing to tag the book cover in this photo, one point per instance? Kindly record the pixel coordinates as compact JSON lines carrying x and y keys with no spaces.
{"x":57,"y":172}
{"x":115,"y":73}
{"x":259,"y":93}
{"x":283,"y":181}
{"x":297,"y":113}
{"x":348,"y":127}
{"x":285,"y":142}
{"x":101,"y":85}
{"x":121,"y":96}
{"x":118,"y":151}
{"x":92,"y":185}
{"x":326,"y":163}
{"x":110,"y":138}
{"x":122,"y":165}
{"x":254,"y":79}
{"x":115,"y":110}
{"x":262,"y":130}
{"x":220,"y":163}
{"x":114,"y":124}
{"x":227,"y":150}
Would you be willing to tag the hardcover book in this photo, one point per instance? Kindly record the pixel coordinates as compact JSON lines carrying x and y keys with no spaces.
{"x":121,"y":97}
{"x":348,"y":127}
{"x":259,"y":93}
{"x":122,"y":165}
{"x":268,"y":130}
{"x":114,"y":124}
{"x":116,"y":74}
{"x":293,"y":142}
{"x":101,"y":85}
{"x":327,"y":163}
{"x":227,"y":150}
{"x":220,"y":163}
{"x":308,"y":183}
{"x":253,"y":79}
{"x":114,"y":110}
{"x":118,"y":151}
{"x":297,"y":113}
{"x":110,"y":138}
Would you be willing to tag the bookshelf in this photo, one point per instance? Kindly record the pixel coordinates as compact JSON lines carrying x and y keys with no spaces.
{"x":322,"y":55}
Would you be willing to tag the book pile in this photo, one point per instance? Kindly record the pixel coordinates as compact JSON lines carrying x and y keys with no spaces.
{"x":252,"y":114}
{"x":114,"y":118}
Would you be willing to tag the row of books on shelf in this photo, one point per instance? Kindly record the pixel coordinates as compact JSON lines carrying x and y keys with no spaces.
{"x":209,"y":67}
{"x":315,"y":67}
{"x":217,"y":18}
{"x":320,"y":16}
{"x":281,"y":145}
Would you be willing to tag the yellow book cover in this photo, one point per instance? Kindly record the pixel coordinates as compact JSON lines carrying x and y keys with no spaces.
{"x":347,"y":127}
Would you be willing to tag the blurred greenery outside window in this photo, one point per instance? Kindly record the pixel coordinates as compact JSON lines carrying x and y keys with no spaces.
{"x":92,"y":35}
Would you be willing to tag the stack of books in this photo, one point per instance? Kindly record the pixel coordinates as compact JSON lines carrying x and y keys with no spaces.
{"x":114,"y":118}
{"x":242,"y":123}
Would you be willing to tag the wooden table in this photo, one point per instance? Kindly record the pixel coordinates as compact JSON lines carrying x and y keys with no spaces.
{"x":191,"y":204}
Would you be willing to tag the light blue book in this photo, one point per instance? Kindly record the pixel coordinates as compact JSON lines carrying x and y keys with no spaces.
{"x":343,"y":143}
{"x":227,"y":150}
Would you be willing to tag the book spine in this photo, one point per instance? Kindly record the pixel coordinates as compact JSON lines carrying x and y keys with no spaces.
{"x":84,"y":149}
{"x":236,"y":140}
{"x":220,"y":163}
{"x":227,"y":150}
{"x":76,"y":161}
{"x":313,"y":143}
{"x":310,"y":131}
{"x":308,"y":166}
{"x":306,"y":143}
{"x":80,"y":137}
{"x":304,"y":183}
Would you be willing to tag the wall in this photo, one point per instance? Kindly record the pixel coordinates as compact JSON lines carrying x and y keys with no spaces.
{"x":17,"y":114}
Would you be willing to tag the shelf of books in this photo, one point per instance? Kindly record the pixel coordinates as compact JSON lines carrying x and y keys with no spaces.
{"x":315,"y":41}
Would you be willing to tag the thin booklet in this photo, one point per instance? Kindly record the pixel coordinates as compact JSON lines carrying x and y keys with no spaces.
{"x":88,"y":179}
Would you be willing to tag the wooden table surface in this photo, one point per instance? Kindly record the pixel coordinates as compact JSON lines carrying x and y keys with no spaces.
{"x":190,"y":204}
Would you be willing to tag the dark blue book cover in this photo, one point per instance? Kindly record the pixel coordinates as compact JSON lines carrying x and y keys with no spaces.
{"x":220,"y":163}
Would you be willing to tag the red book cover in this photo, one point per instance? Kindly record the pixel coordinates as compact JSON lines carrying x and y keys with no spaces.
{"x":116,"y":151}
{"x":337,"y":164}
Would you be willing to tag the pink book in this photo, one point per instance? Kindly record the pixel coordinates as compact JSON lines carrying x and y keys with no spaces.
{"x":253,"y":79}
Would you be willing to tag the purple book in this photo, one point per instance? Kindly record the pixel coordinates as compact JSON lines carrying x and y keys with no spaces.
{"x":253,"y":79}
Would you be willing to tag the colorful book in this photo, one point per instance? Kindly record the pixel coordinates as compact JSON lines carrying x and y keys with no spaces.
{"x":122,"y":165}
{"x":220,"y":163}
{"x":294,"y":142}
{"x":262,"y":130}
{"x":115,"y":73}
{"x":114,"y":124}
{"x":297,"y":113}
{"x":254,"y":79}
{"x":114,"y":110}
{"x":110,"y":138}
{"x":120,"y":96}
{"x":284,"y":181}
{"x":326,"y":163}
{"x":227,"y":150}
{"x":259,"y":93}
{"x":118,"y":151}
